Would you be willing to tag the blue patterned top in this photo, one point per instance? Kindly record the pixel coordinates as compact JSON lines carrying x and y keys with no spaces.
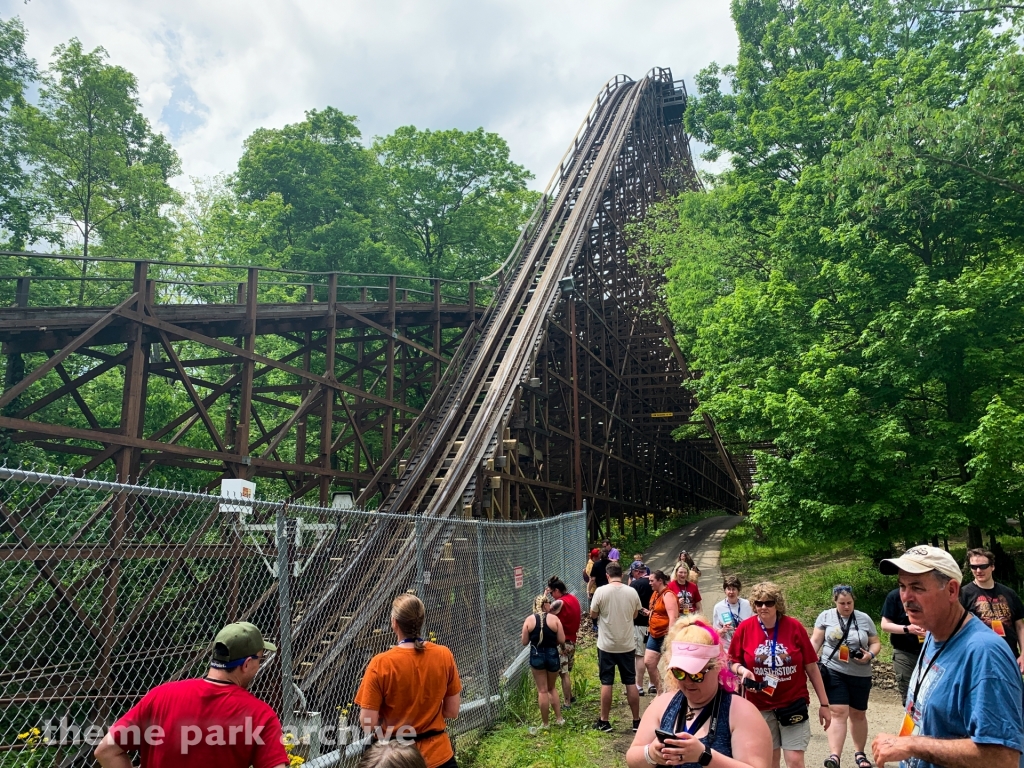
{"x":723,"y":736}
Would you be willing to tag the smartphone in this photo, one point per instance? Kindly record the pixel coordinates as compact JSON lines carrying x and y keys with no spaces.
{"x":662,"y":735}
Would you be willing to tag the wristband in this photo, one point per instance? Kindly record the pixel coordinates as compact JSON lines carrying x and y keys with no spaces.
{"x":906,"y":629}
{"x":647,"y":755}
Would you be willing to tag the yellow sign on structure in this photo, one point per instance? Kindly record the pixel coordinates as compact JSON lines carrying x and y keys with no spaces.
{"x":662,"y":415}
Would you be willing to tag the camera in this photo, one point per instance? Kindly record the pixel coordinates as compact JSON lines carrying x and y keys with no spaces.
{"x":858,"y":654}
{"x":753,"y":685}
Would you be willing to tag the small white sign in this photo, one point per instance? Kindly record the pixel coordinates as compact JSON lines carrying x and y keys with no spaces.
{"x":241,"y":490}
{"x":517,"y":576}
{"x":426,"y":578}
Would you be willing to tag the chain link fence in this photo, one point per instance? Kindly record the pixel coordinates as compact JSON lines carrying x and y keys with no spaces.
{"x":110,"y":589}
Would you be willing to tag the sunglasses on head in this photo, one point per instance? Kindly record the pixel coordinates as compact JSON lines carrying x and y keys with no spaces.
{"x":764,"y":603}
{"x":980,"y":566}
{"x":695,"y":677}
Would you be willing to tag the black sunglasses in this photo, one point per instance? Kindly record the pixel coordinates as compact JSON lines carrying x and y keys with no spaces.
{"x":980,"y":567}
{"x":764,"y":603}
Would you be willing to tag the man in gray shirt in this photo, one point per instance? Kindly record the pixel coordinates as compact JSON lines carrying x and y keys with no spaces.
{"x":615,"y":606}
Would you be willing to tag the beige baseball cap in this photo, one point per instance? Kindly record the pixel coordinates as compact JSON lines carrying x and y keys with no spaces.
{"x":921,"y":559}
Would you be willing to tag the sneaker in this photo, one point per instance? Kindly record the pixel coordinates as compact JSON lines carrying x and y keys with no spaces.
{"x":640,"y":691}
{"x":560,"y":721}
{"x":603,"y":725}
{"x":653,"y":690}
{"x":636,"y":726}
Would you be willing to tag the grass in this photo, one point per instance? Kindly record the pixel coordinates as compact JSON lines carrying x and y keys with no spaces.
{"x":509,"y":744}
{"x":806,"y":571}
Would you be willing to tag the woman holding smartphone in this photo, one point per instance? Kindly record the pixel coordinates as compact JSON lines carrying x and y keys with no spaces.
{"x":699,"y":718}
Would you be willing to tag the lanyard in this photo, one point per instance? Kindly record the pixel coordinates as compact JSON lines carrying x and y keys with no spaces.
{"x":928,"y":667}
{"x":732,"y":616}
{"x":846,"y":629}
{"x":222,"y":682}
{"x":773,"y":639}
{"x":708,"y":712}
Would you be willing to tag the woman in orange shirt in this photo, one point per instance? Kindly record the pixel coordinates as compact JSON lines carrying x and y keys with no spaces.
{"x":411,"y":689}
{"x":661,"y":616}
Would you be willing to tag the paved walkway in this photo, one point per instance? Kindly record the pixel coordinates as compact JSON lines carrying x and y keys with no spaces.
{"x":703,"y":540}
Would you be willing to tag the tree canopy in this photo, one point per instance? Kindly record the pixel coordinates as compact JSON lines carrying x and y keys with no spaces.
{"x":99,"y":167}
{"x":452,"y":201}
{"x":82,"y":171}
{"x":850,"y":284}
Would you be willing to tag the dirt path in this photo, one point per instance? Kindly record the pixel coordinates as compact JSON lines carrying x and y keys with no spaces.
{"x":703,"y":540}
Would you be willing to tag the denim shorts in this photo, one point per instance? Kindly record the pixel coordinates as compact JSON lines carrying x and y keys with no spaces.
{"x":544,"y":659}
{"x":655,"y":643}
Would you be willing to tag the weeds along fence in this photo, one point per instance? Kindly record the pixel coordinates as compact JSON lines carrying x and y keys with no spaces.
{"x":110,"y":589}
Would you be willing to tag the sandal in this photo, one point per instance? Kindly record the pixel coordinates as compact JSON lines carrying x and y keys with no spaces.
{"x":832,"y":761}
{"x":861,"y":759}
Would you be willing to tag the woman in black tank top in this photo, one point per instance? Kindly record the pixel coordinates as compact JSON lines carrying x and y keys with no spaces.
{"x":543,"y":632}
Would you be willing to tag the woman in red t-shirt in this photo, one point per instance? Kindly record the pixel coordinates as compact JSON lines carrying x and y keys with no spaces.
{"x":775,"y":651}
{"x":686,"y":591}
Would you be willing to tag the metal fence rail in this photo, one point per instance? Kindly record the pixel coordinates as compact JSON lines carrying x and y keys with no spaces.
{"x":110,"y":589}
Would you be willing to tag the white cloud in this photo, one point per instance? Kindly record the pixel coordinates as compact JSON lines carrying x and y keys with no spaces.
{"x":211,"y":72}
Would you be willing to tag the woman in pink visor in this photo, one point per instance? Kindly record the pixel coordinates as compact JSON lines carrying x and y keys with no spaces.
{"x":709,"y":724}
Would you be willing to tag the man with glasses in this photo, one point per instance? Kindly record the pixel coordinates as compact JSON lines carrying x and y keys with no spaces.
{"x":209,"y":722}
{"x":995,"y":604}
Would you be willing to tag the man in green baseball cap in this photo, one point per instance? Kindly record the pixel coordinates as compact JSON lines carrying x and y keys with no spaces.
{"x":236,"y":644}
{"x":212,"y":722}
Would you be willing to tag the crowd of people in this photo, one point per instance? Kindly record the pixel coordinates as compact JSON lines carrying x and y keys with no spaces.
{"x":961,"y":685}
{"x":730,"y":689}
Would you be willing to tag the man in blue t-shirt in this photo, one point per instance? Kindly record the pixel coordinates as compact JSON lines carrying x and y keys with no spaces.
{"x":964,"y":703}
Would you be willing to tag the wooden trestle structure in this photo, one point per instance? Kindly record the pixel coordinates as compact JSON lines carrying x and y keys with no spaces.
{"x":551,"y":383}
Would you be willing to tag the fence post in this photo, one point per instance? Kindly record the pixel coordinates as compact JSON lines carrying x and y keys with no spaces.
{"x":418,"y":533}
{"x":284,"y":647}
{"x":483,"y":617}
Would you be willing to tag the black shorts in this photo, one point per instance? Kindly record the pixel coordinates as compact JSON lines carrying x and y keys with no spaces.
{"x":846,"y":689}
{"x":607,"y":662}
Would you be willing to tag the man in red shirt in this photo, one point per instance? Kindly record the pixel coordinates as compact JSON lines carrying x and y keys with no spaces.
{"x":685,"y":591}
{"x":568,"y":610}
{"x":212,"y":722}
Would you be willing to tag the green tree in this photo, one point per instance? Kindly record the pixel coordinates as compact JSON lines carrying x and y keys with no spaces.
{"x":16,"y":71}
{"x":326,"y":181}
{"x":98,"y":165}
{"x":215,"y":227}
{"x":452,"y":201}
{"x":849,"y":285}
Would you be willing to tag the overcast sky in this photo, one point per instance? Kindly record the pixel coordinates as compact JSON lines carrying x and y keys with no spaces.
{"x":212,"y":71}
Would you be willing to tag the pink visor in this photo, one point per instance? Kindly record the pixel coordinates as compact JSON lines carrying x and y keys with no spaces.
{"x":692,"y":657}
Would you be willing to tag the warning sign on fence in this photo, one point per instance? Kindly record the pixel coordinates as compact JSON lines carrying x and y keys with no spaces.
{"x":517,"y":575}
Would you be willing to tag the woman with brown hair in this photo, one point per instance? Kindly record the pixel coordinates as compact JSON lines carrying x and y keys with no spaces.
{"x":774,"y":652}
{"x":662,"y":614}
{"x":414,"y":684}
